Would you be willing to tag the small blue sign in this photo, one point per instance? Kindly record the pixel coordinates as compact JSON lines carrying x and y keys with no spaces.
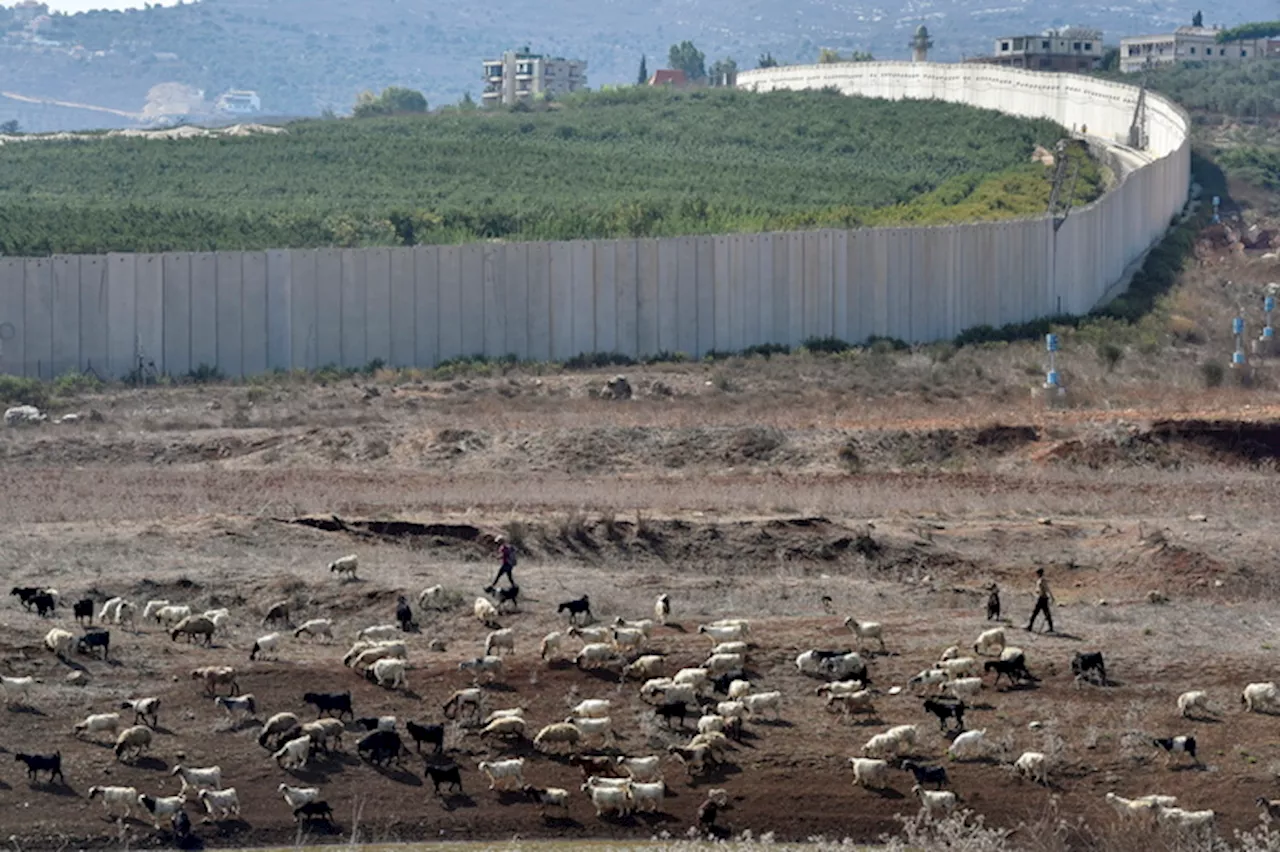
{"x":1237,"y":325}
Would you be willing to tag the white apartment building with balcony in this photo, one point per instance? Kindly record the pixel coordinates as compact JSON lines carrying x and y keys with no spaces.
{"x":522,"y":76}
{"x":1187,"y":44}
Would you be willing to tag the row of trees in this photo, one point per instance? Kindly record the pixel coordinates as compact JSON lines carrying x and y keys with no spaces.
{"x":687,"y":58}
{"x":625,"y":162}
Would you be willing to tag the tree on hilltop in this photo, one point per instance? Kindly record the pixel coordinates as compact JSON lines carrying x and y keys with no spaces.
{"x":643,"y":76}
{"x":392,"y":101}
{"x":687,"y":58}
{"x":766,"y":60}
{"x":1197,"y":20}
{"x":724,"y":72}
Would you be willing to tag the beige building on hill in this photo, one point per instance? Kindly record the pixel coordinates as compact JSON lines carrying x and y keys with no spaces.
{"x":1189,"y":44}
{"x":523,"y":76}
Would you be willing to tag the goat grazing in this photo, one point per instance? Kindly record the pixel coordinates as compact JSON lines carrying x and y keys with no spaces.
{"x":579,"y":608}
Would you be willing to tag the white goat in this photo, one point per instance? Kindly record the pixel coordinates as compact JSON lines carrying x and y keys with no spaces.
{"x":220,"y":803}
{"x":509,"y":773}
{"x":315,"y":628}
{"x":866,"y":630}
{"x":296,"y":797}
{"x":390,"y":673}
{"x":500,"y":640}
{"x":869,"y":772}
{"x":206,"y":778}
{"x":1033,"y":765}
{"x":117,"y":800}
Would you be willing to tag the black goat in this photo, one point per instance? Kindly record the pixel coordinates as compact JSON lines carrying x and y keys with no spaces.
{"x":1014,"y":669}
{"x":672,"y":710}
{"x":721,"y":684}
{"x":308,"y":811}
{"x":507,"y":595}
{"x":278,"y":612}
{"x":181,"y":825}
{"x":330,"y":702}
{"x":733,"y":728}
{"x":993,"y":603}
{"x":404,"y":615}
{"x":381,"y":747}
{"x":25,"y":594}
{"x":95,"y":639}
{"x":945,"y":710}
{"x":1175,"y":745}
{"x":44,"y":604}
{"x":433,"y":734}
{"x":1083,"y":664}
{"x":935,"y":775}
{"x":450,"y":775}
{"x":51,"y":763}
{"x":575,"y":608}
{"x":83,"y":608}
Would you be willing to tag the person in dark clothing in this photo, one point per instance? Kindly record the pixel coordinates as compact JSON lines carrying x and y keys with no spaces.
{"x":1044,"y":597}
{"x":993,"y":603}
{"x":507,"y":556}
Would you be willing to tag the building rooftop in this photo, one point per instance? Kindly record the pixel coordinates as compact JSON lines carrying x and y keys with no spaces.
{"x":668,"y":77}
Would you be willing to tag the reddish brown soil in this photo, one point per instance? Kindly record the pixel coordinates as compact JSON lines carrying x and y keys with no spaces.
{"x":196,"y":517}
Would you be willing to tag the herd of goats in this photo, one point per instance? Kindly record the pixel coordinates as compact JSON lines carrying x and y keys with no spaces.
{"x":716,"y":698}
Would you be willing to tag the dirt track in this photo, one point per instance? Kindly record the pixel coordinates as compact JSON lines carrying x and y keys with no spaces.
{"x":728,"y":511}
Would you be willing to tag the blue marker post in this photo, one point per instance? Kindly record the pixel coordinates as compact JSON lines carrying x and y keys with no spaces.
{"x":1237,"y":329}
{"x":1052,"y":381}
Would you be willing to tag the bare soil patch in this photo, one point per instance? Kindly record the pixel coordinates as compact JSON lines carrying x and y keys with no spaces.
{"x":740,"y":509}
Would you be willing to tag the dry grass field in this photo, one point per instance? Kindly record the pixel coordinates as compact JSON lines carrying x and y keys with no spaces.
{"x":899,"y":484}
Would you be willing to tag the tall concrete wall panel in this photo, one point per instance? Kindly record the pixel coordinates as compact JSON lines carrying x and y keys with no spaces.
{"x":148,"y":295}
{"x":289,"y":309}
{"x":122,"y":270}
{"x":279,"y":310}
{"x":66,"y":314}
{"x":426,"y":307}
{"x":403,"y":290}
{"x":37,"y":350}
{"x":255,"y":313}
{"x":377,"y":317}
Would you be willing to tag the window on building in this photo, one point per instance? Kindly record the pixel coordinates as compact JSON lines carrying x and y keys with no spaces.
{"x":1134,"y":50}
{"x":1076,"y":46}
{"x":1193,"y":51}
{"x":1044,"y":45}
{"x":1244,"y":51}
{"x":1004,"y":45}
{"x":1222,"y":51}
{"x":1088,"y":46}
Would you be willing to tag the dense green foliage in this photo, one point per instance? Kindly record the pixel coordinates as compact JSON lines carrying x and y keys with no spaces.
{"x":394,"y":100}
{"x":631,"y":162}
{"x":687,"y":58}
{"x":1257,"y":29}
{"x":1253,"y":164}
{"x":1229,"y":89}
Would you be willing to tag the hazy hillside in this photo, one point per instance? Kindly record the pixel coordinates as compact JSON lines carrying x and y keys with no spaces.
{"x":306,"y":55}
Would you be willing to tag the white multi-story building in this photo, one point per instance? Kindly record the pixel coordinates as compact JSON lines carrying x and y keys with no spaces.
{"x":238,"y":102}
{"x":1187,"y":44}
{"x":521,"y":76}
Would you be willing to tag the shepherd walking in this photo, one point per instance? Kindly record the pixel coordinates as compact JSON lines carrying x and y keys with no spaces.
{"x":1044,"y":598}
{"x":507,"y":555}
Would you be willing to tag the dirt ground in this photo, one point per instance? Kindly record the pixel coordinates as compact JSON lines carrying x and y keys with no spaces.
{"x":736,"y":497}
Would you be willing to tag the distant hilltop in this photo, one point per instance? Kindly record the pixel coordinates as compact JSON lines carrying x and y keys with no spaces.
{"x":303,"y":57}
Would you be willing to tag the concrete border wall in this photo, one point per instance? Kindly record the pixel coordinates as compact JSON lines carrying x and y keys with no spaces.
{"x":248,"y":312}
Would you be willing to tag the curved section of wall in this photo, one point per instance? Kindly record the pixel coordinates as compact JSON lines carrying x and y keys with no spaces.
{"x":1091,"y":251}
{"x":249,"y":312}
